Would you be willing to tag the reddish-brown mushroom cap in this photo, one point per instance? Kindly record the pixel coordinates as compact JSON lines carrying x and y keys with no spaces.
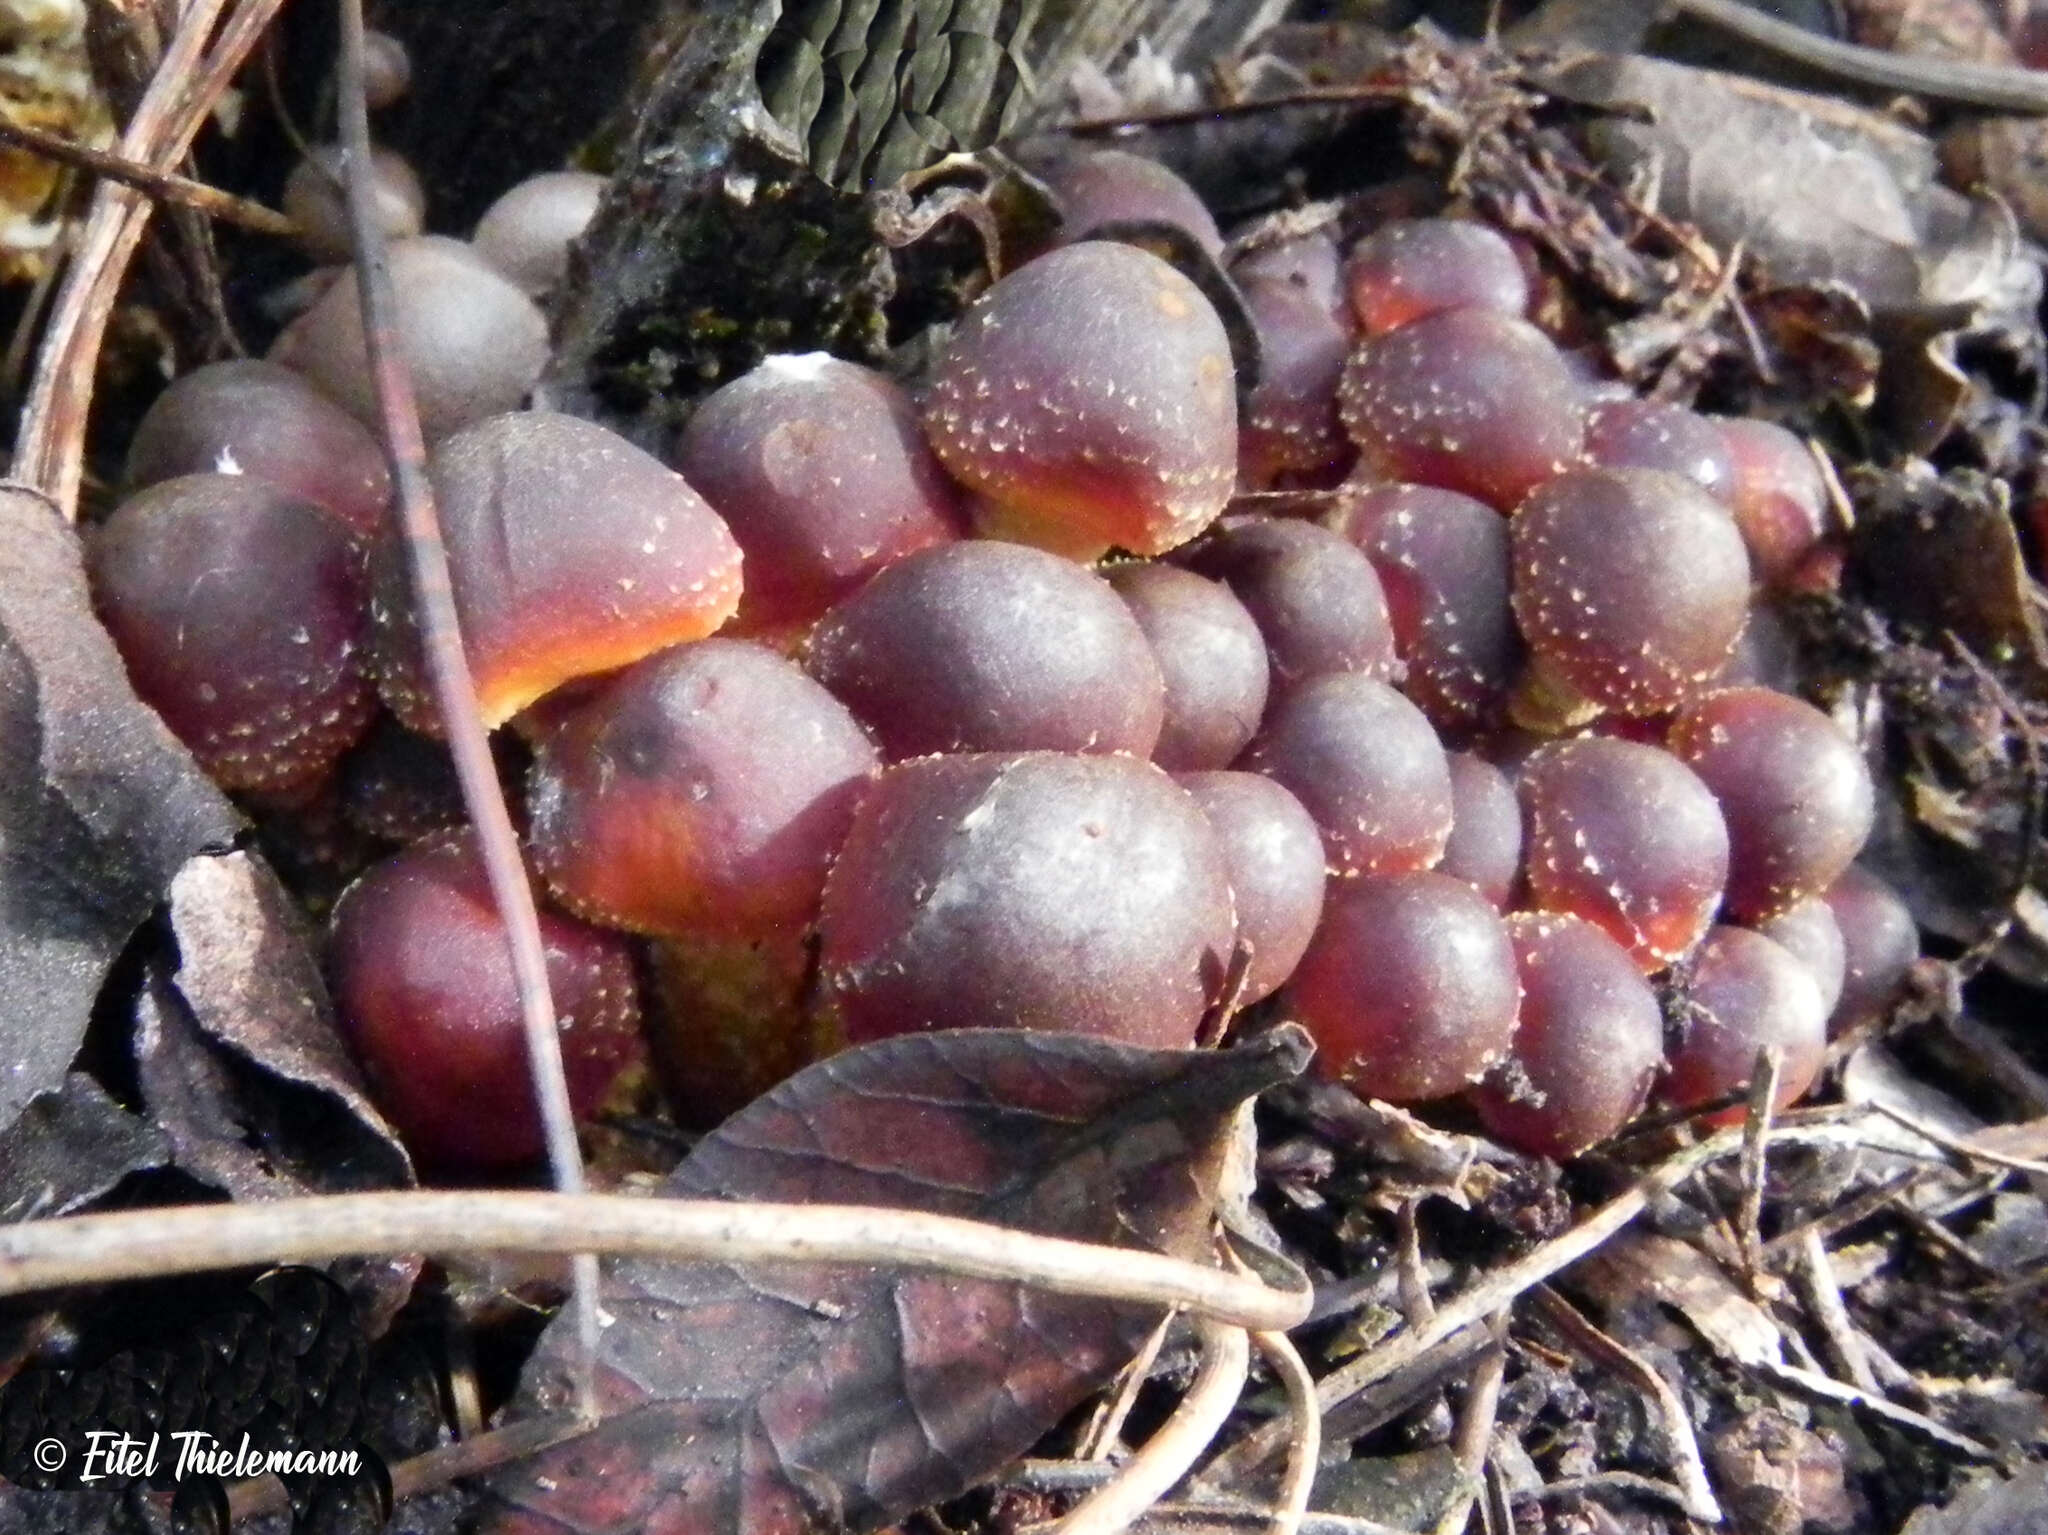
{"x":1274,"y":855}
{"x":239,"y":610}
{"x":1880,"y":941}
{"x":1113,"y":186}
{"x":1088,"y":398}
{"x":1632,"y":585}
{"x":1444,"y":563}
{"x":1626,"y":836}
{"x":703,"y":792}
{"x":1746,"y":992}
{"x":1039,"y":890}
{"x":990,"y":646}
{"x":425,"y":994}
{"x":572,"y":553}
{"x":1368,"y":768}
{"x":1485,"y":849}
{"x":1409,"y":986}
{"x":1588,"y":1045}
{"x":260,"y":419}
{"x":1315,"y":598}
{"x":1465,"y":399}
{"x":1211,"y":655}
{"x":1793,"y":788}
{"x":821,"y":471}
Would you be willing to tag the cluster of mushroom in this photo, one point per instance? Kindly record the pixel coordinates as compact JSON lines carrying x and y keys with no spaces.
{"x":873,"y":711}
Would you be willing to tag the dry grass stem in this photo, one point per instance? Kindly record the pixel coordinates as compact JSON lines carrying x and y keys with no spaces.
{"x":1305,"y":1420}
{"x":50,"y":447}
{"x":1815,"y":1277}
{"x":184,"y":1239}
{"x":1171,"y":1453}
{"x":1505,"y":1284}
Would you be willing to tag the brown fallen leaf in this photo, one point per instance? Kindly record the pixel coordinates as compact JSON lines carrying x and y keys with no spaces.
{"x":254,"y":994}
{"x":241,"y":1067}
{"x":1940,"y":554}
{"x":69,"y":1148}
{"x":772,"y":1399}
{"x":99,"y":805}
{"x":1817,"y":191}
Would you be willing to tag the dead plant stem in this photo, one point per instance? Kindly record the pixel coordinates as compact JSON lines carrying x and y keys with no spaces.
{"x":184,"y":1239}
{"x":454,"y":690}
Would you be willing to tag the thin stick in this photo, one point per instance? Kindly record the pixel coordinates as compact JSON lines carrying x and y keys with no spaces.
{"x":1823,"y":1388}
{"x":185,"y":1239}
{"x":1108,"y":1427}
{"x":1756,"y":1135}
{"x":1477,"y":1415}
{"x":1998,"y":88}
{"x":1695,"y":1491}
{"x":454,"y":690}
{"x":1305,"y":1444}
{"x":1169,"y":1454}
{"x":1823,"y":1296}
{"x":1956,"y":1145}
{"x":1080,"y":1476}
{"x":434,"y":1469}
{"x":1501,"y":1287}
{"x":165,"y":186}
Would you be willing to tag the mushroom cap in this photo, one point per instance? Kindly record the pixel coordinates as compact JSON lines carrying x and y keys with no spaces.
{"x":474,"y":342}
{"x":527,"y":232}
{"x":572,"y":553}
{"x":316,"y":200}
{"x":425,"y":994}
{"x":822,"y":472}
{"x":705,"y":791}
{"x":1079,"y":894}
{"x":246,"y":416}
{"x":1089,"y":396}
{"x":239,"y":610}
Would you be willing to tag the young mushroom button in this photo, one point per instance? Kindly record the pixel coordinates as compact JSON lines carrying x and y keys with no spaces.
{"x":1088,"y":399}
{"x":572,"y":553}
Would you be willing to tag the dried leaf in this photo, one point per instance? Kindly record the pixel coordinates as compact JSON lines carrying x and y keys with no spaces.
{"x":69,"y":1147}
{"x":1641,"y":1263}
{"x":1940,"y":553}
{"x":247,"y":972}
{"x":1817,"y":191}
{"x":239,"y":1063}
{"x":777,"y":1398}
{"x":99,"y":805}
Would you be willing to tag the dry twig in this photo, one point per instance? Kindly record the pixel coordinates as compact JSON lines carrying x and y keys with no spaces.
{"x":165,"y":186}
{"x":1815,"y":1277}
{"x":436,"y":1468}
{"x":1171,"y":1452}
{"x":454,"y":691}
{"x":184,"y":1239}
{"x":1504,"y":1285}
{"x":49,"y":450}
{"x":1695,"y":1491}
{"x":1756,"y":1131}
{"x":1305,"y":1449}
